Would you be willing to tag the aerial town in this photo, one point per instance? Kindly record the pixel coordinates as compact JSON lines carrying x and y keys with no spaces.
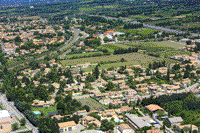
{"x":97,"y":74}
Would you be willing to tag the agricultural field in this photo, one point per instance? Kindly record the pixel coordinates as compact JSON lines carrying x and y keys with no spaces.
{"x":140,"y":31}
{"x":162,"y":44}
{"x":81,"y":55}
{"x":130,"y":59}
{"x":94,"y":105}
{"x":172,"y":53}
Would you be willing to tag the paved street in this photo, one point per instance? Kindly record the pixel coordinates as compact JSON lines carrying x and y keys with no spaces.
{"x":12,"y":110}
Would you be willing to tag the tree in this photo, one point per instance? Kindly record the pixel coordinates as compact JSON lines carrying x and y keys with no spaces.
{"x":90,"y":78}
{"x":168,"y":75}
{"x":106,"y":39}
{"x":15,"y":126}
{"x":110,"y":86}
{"x":122,"y":60}
{"x":18,"y":39}
{"x":34,"y":64}
{"x":167,"y":124}
{"x":87,"y":108}
{"x":3,"y":60}
{"x":160,"y":112}
{"x":48,"y":125}
{"x":23,"y":122}
{"x":106,"y":125}
{"x":189,"y":42}
{"x":174,"y":127}
{"x":96,"y":72}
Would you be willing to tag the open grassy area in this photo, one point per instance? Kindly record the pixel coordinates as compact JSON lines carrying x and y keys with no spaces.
{"x":81,"y":55}
{"x":172,"y":53}
{"x":131,"y":58}
{"x":93,"y":104}
{"x":140,"y":31}
{"x":164,"y":44}
{"x":45,"y":110}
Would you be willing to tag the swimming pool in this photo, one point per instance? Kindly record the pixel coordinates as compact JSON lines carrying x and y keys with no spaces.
{"x":117,"y":120}
{"x":36,"y":112}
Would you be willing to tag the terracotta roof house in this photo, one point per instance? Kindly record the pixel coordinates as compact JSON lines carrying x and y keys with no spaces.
{"x":109,"y":112}
{"x":37,"y":103}
{"x":153,"y":108}
{"x":123,"y":109}
{"x":155,"y":130}
{"x":88,"y":119}
{"x":67,"y":126}
{"x":125,"y":128}
{"x":192,"y":127}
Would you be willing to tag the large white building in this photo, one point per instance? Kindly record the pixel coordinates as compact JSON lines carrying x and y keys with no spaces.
{"x":4,"y":114}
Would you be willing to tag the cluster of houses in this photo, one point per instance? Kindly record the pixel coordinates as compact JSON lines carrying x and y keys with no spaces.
{"x":133,"y":122}
{"x":6,"y":121}
{"x":10,"y":31}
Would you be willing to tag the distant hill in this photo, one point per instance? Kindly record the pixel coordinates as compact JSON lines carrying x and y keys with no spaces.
{"x":15,"y":3}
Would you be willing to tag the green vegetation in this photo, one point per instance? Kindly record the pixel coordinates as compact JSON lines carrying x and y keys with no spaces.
{"x":1,"y":107}
{"x":132,"y":59}
{"x":94,"y":105}
{"x":45,"y":110}
{"x":83,"y":55}
{"x":184,"y":105}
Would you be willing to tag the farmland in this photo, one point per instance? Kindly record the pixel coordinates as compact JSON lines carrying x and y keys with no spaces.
{"x":164,"y":44}
{"x":131,"y":58}
{"x":140,"y":31}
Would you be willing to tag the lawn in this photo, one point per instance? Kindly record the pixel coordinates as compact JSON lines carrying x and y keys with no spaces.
{"x":172,"y":53}
{"x":131,"y":59}
{"x":93,"y":104}
{"x":140,"y":31}
{"x":45,"y":110}
{"x":164,"y":44}
{"x":81,"y":55}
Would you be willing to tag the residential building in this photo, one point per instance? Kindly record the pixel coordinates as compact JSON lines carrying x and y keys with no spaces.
{"x":67,"y":126}
{"x":153,"y":108}
{"x":136,"y":122}
{"x":125,"y":128}
{"x":174,"y":120}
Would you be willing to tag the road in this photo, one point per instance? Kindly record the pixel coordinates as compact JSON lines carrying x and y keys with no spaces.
{"x":76,"y":37}
{"x":12,"y":110}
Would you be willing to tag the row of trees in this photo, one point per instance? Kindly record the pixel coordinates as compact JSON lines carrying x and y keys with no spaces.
{"x":156,"y":65}
{"x":133,"y":26}
{"x":124,"y":51}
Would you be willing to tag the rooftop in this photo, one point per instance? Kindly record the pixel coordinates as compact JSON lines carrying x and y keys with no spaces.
{"x":153,"y":107}
{"x":67,"y":124}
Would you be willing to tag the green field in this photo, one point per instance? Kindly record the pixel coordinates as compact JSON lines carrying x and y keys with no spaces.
{"x":164,"y":44}
{"x":172,"y":53}
{"x":81,"y":55}
{"x":131,"y":58}
{"x":45,"y":110}
{"x":93,"y":104}
{"x":140,"y":31}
